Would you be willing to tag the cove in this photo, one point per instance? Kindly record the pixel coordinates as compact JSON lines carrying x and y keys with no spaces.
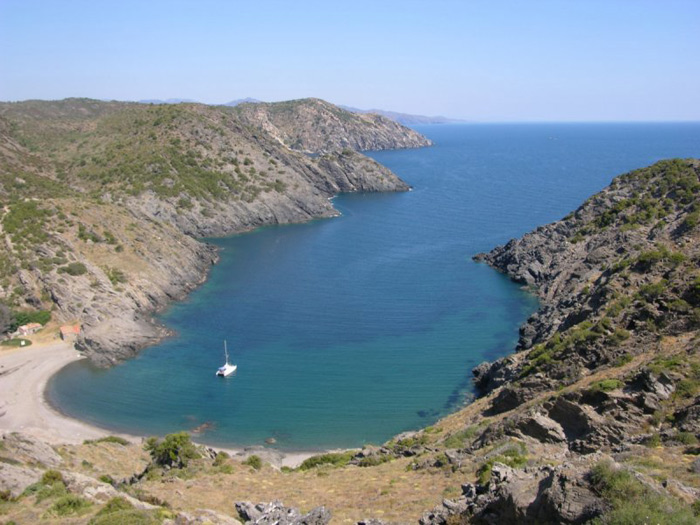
{"x":349,"y":330}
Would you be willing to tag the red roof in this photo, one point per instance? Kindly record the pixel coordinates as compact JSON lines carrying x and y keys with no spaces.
{"x":69,"y":329}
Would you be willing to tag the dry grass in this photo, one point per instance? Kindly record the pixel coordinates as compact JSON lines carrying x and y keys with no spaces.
{"x":111,"y":459}
{"x":387,"y":491}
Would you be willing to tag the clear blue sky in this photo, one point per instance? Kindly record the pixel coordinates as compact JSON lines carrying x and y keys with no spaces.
{"x":486,"y":60}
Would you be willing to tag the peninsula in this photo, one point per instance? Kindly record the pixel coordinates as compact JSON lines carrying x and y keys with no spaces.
{"x":103,"y":202}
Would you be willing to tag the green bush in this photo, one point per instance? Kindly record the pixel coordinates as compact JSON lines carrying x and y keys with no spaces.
{"x":115,"y":275}
{"x":623,"y":360}
{"x":687,"y":438}
{"x":106,"y":478}
{"x":459,"y":439}
{"x":51,"y":477}
{"x":254,"y":462}
{"x":686,"y":388}
{"x":606,"y":385}
{"x":127,"y":517}
{"x":336,"y":459}
{"x":653,"y":441}
{"x":107,"y":439}
{"x":651,"y":292}
{"x":74,"y":268}
{"x":373,"y":461}
{"x":68,"y":504}
{"x":174,"y":451}
{"x":514,"y":458}
{"x":114,"y":439}
{"x":632,"y":502}
{"x":114,"y":505}
{"x":220,"y":458}
{"x":31,"y":316}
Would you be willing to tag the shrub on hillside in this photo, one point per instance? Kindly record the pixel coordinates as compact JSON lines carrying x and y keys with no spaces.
{"x":174,"y":451}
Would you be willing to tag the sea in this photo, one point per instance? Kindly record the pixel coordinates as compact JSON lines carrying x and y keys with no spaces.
{"x":348,"y":331}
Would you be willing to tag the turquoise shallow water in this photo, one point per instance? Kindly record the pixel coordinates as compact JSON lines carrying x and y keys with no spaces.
{"x":349,"y":330}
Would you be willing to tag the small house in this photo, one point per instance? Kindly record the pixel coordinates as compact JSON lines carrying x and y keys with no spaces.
{"x":70,"y":331}
{"x":29,"y":329}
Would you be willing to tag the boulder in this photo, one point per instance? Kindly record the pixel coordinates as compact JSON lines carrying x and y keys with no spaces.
{"x":541,"y":428}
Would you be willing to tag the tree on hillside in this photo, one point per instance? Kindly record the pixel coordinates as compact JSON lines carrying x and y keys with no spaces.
{"x":174,"y":451}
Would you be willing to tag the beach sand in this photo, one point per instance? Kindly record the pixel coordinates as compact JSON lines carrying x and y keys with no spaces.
{"x":24,"y":373}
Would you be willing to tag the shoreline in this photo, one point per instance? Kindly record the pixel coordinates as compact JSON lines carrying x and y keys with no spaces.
{"x":24,"y":408}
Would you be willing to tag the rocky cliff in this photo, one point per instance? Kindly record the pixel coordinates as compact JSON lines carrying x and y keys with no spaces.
{"x":102,"y":200}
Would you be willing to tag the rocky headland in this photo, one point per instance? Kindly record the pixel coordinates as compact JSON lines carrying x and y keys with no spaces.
{"x":103,"y":202}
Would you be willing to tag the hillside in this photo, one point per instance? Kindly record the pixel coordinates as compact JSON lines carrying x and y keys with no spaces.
{"x":103,"y":200}
{"x":595,"y":417}
{"x":312,"y":125}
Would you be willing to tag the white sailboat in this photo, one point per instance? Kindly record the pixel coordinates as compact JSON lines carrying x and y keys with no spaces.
{"x":228,"y":368}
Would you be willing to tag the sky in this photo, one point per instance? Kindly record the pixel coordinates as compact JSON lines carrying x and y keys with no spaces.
{"x":479,"y":60}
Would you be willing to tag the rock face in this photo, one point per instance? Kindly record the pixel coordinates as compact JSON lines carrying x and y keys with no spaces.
{"x":638,"y":234}
{"x":107,"y":199}
{"x":610,"y":359}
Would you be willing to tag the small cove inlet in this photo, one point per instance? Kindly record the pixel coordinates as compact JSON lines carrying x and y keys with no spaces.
{"x":350,"y":330}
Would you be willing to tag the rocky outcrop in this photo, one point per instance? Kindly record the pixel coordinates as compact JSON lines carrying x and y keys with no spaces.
{"x":23,"y":448}
{"x":609,"y":361}
{"x":634,"y":233}
{"x":275,"y":513}
{"x":519,"y":496}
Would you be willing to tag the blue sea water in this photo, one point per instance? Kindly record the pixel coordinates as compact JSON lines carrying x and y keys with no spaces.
{"x":347,"y":331}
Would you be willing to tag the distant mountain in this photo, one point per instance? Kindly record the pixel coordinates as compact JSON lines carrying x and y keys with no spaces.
{"x":242,"y":101}
{"x":404,"y":118}
{"x":166,"y":101}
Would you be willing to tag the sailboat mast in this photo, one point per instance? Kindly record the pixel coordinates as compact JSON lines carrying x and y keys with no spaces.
{"x":225,"y":351}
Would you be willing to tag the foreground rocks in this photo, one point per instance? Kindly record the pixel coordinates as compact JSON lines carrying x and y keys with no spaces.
{"x":275,"y":513}
{"x":531,"y":495}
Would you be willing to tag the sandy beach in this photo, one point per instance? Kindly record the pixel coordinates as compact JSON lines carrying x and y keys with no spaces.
{"x":24,"y":373}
